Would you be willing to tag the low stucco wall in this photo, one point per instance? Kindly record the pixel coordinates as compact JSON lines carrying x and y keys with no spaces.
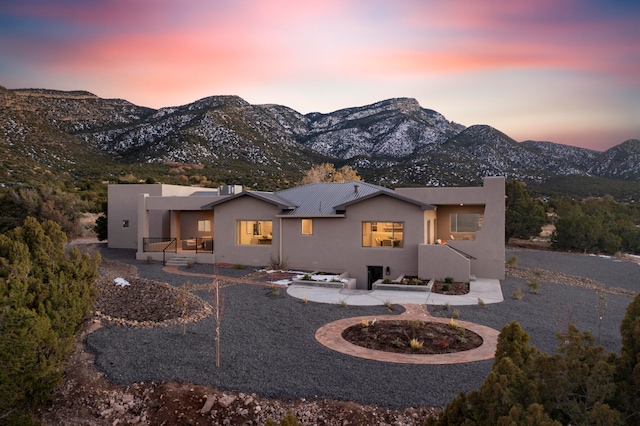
{"x":439,"y":261}
{"x":203,"y":258}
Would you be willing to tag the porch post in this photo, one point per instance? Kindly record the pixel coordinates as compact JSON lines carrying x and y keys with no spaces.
{"x":175,"y":225}
{"x":143,"y":221}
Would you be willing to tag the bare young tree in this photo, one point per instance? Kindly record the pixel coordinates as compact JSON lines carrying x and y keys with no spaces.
{"x":218,"y":313}
{"x":327,"y":172}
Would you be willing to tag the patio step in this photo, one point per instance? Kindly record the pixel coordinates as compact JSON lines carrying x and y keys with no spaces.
{"x":181,"y":260}
{"x":472,"y":277}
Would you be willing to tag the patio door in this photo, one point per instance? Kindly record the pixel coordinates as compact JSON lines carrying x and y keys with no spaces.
{"x":374,"y":273}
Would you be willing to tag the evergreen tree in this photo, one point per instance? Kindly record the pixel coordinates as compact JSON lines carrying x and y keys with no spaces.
{"x":577,"y":382}
{"x":44,"y":203}
{"x":628,"y":366}
{"x":45,"y":295}
{"x":525,"y":386}
{"x":524,"y":216}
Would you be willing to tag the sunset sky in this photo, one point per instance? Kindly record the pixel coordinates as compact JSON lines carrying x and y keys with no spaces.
{"x":566,"y":71}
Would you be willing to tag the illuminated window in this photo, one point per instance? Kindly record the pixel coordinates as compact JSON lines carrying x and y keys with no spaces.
{"x":382,"y":234}
{"x":465,"y":222}
{"x":254,"y":232}
{"x":307,"y":226}
{"x":204,"y":225}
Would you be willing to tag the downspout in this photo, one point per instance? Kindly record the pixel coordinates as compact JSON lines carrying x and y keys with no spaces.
{"x":280,"y":244}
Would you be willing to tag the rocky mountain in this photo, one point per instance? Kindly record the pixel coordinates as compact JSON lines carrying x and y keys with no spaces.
{"x":392,"y":142}
{"x":620,"y":162}
{"x":395,"y":128}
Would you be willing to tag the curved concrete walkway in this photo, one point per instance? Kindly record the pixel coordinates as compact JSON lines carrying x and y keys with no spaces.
{"x":330,"y":336}
{"x":488,"y":290}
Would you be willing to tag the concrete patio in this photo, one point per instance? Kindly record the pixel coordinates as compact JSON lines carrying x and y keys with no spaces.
{"x":488,"y":290}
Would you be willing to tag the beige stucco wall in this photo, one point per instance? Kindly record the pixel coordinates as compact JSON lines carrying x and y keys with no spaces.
{"x":439,"y":261}
{"x":318,"y":251}
{"x":189,"y":224}
{"x":123,"y":205}
{"x":488,"y":246}
{"x":336,"y":243}
{"x":226,"y":217}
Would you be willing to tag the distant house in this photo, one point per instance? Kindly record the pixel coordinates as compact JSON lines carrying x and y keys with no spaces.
{"x":366,"y":230}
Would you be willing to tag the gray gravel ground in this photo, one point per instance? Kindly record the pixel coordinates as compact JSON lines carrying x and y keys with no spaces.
{"x":268,"y":344}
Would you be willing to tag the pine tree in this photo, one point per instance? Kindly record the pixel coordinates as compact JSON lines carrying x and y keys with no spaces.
{"x":628,"y":366}
{"x":45,"y":295}
{"x":524,"y":216}
{"x":577,"y":382}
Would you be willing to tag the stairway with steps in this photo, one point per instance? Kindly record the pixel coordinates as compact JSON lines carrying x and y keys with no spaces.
{"x":181,"y":260}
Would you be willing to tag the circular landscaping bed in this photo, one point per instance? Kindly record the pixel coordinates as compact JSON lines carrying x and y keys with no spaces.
{"x":412,"y":337}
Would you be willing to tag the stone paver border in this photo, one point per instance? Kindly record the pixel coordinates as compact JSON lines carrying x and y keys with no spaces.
{"x":330,"y":336}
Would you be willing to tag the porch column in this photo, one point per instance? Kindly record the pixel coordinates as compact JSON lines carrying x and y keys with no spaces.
{"x":143,"y":221}
{"x":175,"y":225}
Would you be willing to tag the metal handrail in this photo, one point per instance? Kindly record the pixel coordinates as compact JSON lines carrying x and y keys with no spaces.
{"x":202,"y":243}
{"x":173,"y":242}
{"x":147,"y":242}
{"x":467,"y":255}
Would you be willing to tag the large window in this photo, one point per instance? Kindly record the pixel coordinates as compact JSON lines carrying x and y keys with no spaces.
{"x":254,"y":232}
{"x":307,"y":227}
{"x":382,"y":234}
{"x":465,"y":222}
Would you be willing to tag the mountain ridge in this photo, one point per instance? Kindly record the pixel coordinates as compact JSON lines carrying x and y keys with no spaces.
{"x":392,"y":142}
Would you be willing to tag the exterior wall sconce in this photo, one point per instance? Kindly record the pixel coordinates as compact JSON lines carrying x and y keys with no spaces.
{"x":388,"y":271}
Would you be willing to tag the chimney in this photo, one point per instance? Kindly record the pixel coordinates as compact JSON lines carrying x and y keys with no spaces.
{"x":355,"y":188}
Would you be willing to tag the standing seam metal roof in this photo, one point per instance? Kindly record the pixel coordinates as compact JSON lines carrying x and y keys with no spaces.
{"x":319,"y":199}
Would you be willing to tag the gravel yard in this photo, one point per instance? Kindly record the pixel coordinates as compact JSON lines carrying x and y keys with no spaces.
{"x":268,"y":344}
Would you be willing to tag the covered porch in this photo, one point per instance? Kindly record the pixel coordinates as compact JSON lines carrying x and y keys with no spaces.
{"x":175,"y":225}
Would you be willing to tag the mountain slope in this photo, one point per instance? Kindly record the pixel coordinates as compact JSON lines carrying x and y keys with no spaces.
{"x":33,"y":142}
{"x":394,"y":128}
{"x":620,"y":162}
{"x":225,"y":139}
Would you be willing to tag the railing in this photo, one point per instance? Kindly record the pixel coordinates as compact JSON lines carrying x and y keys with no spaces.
{"x":204,"y":245}
{"x":164,"y":245}
{"x":467,"y":255}
{"x":172,"y":247}
{"x":158,"y":244}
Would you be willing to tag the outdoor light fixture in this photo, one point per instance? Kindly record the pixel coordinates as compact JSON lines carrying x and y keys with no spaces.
{"x":388,"y":271}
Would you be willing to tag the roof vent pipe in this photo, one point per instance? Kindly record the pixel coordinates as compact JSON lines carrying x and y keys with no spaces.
{"x":355,"y":188}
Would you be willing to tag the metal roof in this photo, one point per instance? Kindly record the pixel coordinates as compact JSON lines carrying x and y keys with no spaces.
{"x":269,"y":197}
{"x":330,"y":198}
{"x":321,"y":199}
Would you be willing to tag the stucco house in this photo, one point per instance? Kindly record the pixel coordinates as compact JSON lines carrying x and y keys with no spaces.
{"x":366,"y":230}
